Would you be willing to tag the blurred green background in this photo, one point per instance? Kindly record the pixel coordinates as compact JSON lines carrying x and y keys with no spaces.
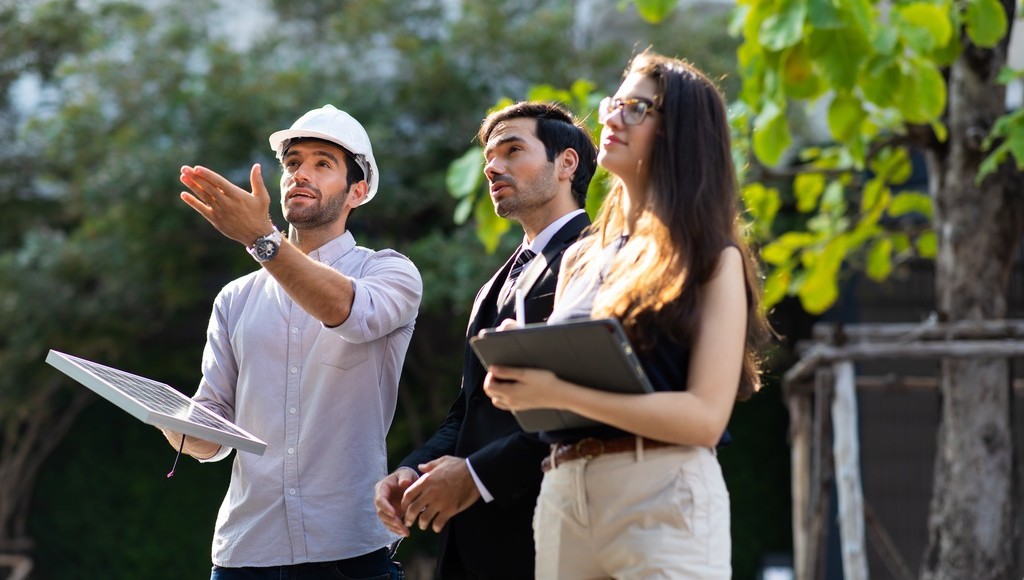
{"x":103,"y":101}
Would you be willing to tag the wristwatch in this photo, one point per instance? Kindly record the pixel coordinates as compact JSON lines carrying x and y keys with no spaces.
{"x":265,"y":248}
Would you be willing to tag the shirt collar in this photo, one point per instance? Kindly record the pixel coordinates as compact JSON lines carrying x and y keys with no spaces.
{"x":542,"y":239}
{"x":330,"y":252}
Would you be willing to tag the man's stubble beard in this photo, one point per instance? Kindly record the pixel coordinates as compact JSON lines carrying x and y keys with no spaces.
{"x":321,"y":215}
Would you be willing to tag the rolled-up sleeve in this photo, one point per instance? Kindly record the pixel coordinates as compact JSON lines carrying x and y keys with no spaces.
{"x":387,"y":297}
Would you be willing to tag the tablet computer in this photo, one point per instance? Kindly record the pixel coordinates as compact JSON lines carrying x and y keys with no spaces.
{"x":155,"y":403}
{"x":591,"y":353}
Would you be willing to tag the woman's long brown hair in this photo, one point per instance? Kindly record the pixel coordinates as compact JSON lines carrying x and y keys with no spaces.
{"x":691,"y":215}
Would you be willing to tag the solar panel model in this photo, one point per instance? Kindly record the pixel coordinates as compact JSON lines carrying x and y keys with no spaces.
{"x":155,"y":403}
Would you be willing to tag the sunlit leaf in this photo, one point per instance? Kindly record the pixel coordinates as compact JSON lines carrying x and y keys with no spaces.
{"x":893,"y":165}
{"x":762,"y":203}
{"x":910,"y":202}
{"x":879,"y":264}
{"x":922,"y":92}
{"x":840,"y":54}
{"x":927,"y":245}
{"x":465,"y":173}
{"x":823,"y":15}
{"x":798,"y":77}
{"x":776,"y":286}
{"x":845,"y":114}
{"x":926,"y":26}
{"x":784,"y":27}
{"x":771,"y":134}
{"x":880,"y":76}
{"x":985,"y":21}
{"x":783,"y":248}
{"x":807,"y":188}
{"x":489,"y":227}
{"x":654,"y":11}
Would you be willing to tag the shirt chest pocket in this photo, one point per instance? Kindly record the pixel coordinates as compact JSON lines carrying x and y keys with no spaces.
{"x":339,"y":353}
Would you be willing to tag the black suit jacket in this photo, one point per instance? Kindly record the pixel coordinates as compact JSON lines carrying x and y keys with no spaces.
{"x":497,"y":537}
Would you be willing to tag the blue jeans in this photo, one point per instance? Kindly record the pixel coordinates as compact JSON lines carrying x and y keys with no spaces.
{"x":373,"y":566}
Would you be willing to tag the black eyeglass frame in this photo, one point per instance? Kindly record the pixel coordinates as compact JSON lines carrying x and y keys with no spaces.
{"x":630,"y":108}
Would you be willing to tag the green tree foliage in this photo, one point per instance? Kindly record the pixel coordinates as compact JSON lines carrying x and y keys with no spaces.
{"x":879,"y":80}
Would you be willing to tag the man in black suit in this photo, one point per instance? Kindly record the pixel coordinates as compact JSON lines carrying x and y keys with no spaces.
{"x":477,"y":479}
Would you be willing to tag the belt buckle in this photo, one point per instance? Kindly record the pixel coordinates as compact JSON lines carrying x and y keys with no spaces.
{"x":586,"y":441}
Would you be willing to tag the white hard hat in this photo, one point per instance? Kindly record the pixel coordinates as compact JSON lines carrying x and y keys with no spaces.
{"x":337,"y":126}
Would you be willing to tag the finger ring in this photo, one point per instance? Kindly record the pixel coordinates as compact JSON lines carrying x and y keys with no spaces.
{"x":423,"y":509}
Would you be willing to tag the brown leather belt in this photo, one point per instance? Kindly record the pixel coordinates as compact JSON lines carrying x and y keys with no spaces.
{"x":592,"y":447}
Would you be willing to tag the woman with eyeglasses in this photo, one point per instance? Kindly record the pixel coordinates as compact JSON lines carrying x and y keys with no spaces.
{"x":642,"y":496}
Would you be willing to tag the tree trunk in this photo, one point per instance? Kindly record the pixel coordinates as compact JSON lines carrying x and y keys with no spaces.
{"x":971,"y":527}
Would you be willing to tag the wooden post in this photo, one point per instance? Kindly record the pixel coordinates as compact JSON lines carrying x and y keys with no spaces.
{"x":800,"y":476}
{"x":846,"y":450}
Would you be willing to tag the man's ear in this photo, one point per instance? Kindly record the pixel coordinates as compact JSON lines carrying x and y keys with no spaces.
{"x":567,"y":162}
{"x":357,"y":193}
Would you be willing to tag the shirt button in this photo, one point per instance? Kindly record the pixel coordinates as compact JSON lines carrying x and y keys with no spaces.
{"x":295,"y":370}
{"x":291,"y":491}
{"x":295,"y":331}
{"x":291,"y":451}
{"x":292,"y":410}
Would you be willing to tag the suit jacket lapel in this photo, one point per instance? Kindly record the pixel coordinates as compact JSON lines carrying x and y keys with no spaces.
{"x":488,"y":295}
{"x":564,"y":237}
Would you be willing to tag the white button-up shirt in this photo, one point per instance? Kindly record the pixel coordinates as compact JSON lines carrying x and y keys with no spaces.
{"x":321,"y":398}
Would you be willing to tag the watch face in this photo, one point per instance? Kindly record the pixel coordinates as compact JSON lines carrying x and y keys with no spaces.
{"x":265,"y":249}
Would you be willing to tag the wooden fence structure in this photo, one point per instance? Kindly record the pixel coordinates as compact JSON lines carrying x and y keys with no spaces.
{"x":820,"y":390}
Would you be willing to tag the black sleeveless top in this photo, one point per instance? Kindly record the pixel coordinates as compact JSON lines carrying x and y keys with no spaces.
{"x":667,"y":364}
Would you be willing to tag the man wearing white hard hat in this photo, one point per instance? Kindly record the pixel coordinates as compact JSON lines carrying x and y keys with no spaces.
{"x":305,"y":354}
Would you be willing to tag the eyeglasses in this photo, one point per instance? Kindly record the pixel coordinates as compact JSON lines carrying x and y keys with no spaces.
{"x":634,"y":109}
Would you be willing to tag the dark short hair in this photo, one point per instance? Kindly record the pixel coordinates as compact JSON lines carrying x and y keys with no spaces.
{"x":354,"y":173}
{"x":558,"y":130}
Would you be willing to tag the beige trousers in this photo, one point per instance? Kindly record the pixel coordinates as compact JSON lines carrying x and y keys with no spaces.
{"x":658,"y":513}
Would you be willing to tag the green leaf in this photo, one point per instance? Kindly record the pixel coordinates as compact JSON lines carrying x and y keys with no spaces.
{"x":549,"y":93}
{"x":782,"y":249}
{"x":489,"y":227}
{"x":985,"y":21}
{"x":1015,"y":140}
{"x":785,"y":27}
{"x":946,"y":55}
{"x":776,"y":286}
{"x":820,"y":289}
{"x":910,"y":202}
{"x":927,"y":247}
{"x":737,"y":19}
{"x":878,"y":79}
{"x":1007,"y":74}
{"x":762,"y":203}
{"x":839,"y":54}
{"x":900,"y":242}
{"x":465,"y":173}
{"x":823,"y":15}
{"x":654,"y":11}
{"x":922,"y":92}
{"x":845,"y":115}
{"x":771,"y":134}
{"x":991,"y":163}
{"x":880,"y":260}
{"x":463,"y":210}
{"x":807,"y":188}
{"x":834,"y":199}
{"x":925,"y":26}
{"x":799,"y":80}
{"x":892,"y":165}
{"x":875,"y":192}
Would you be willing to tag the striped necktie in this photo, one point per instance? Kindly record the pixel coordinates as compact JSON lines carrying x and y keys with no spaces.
{"x":522,"y":259}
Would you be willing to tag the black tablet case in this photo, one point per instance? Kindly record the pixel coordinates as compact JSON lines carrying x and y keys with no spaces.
{"x":591,"y":353}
